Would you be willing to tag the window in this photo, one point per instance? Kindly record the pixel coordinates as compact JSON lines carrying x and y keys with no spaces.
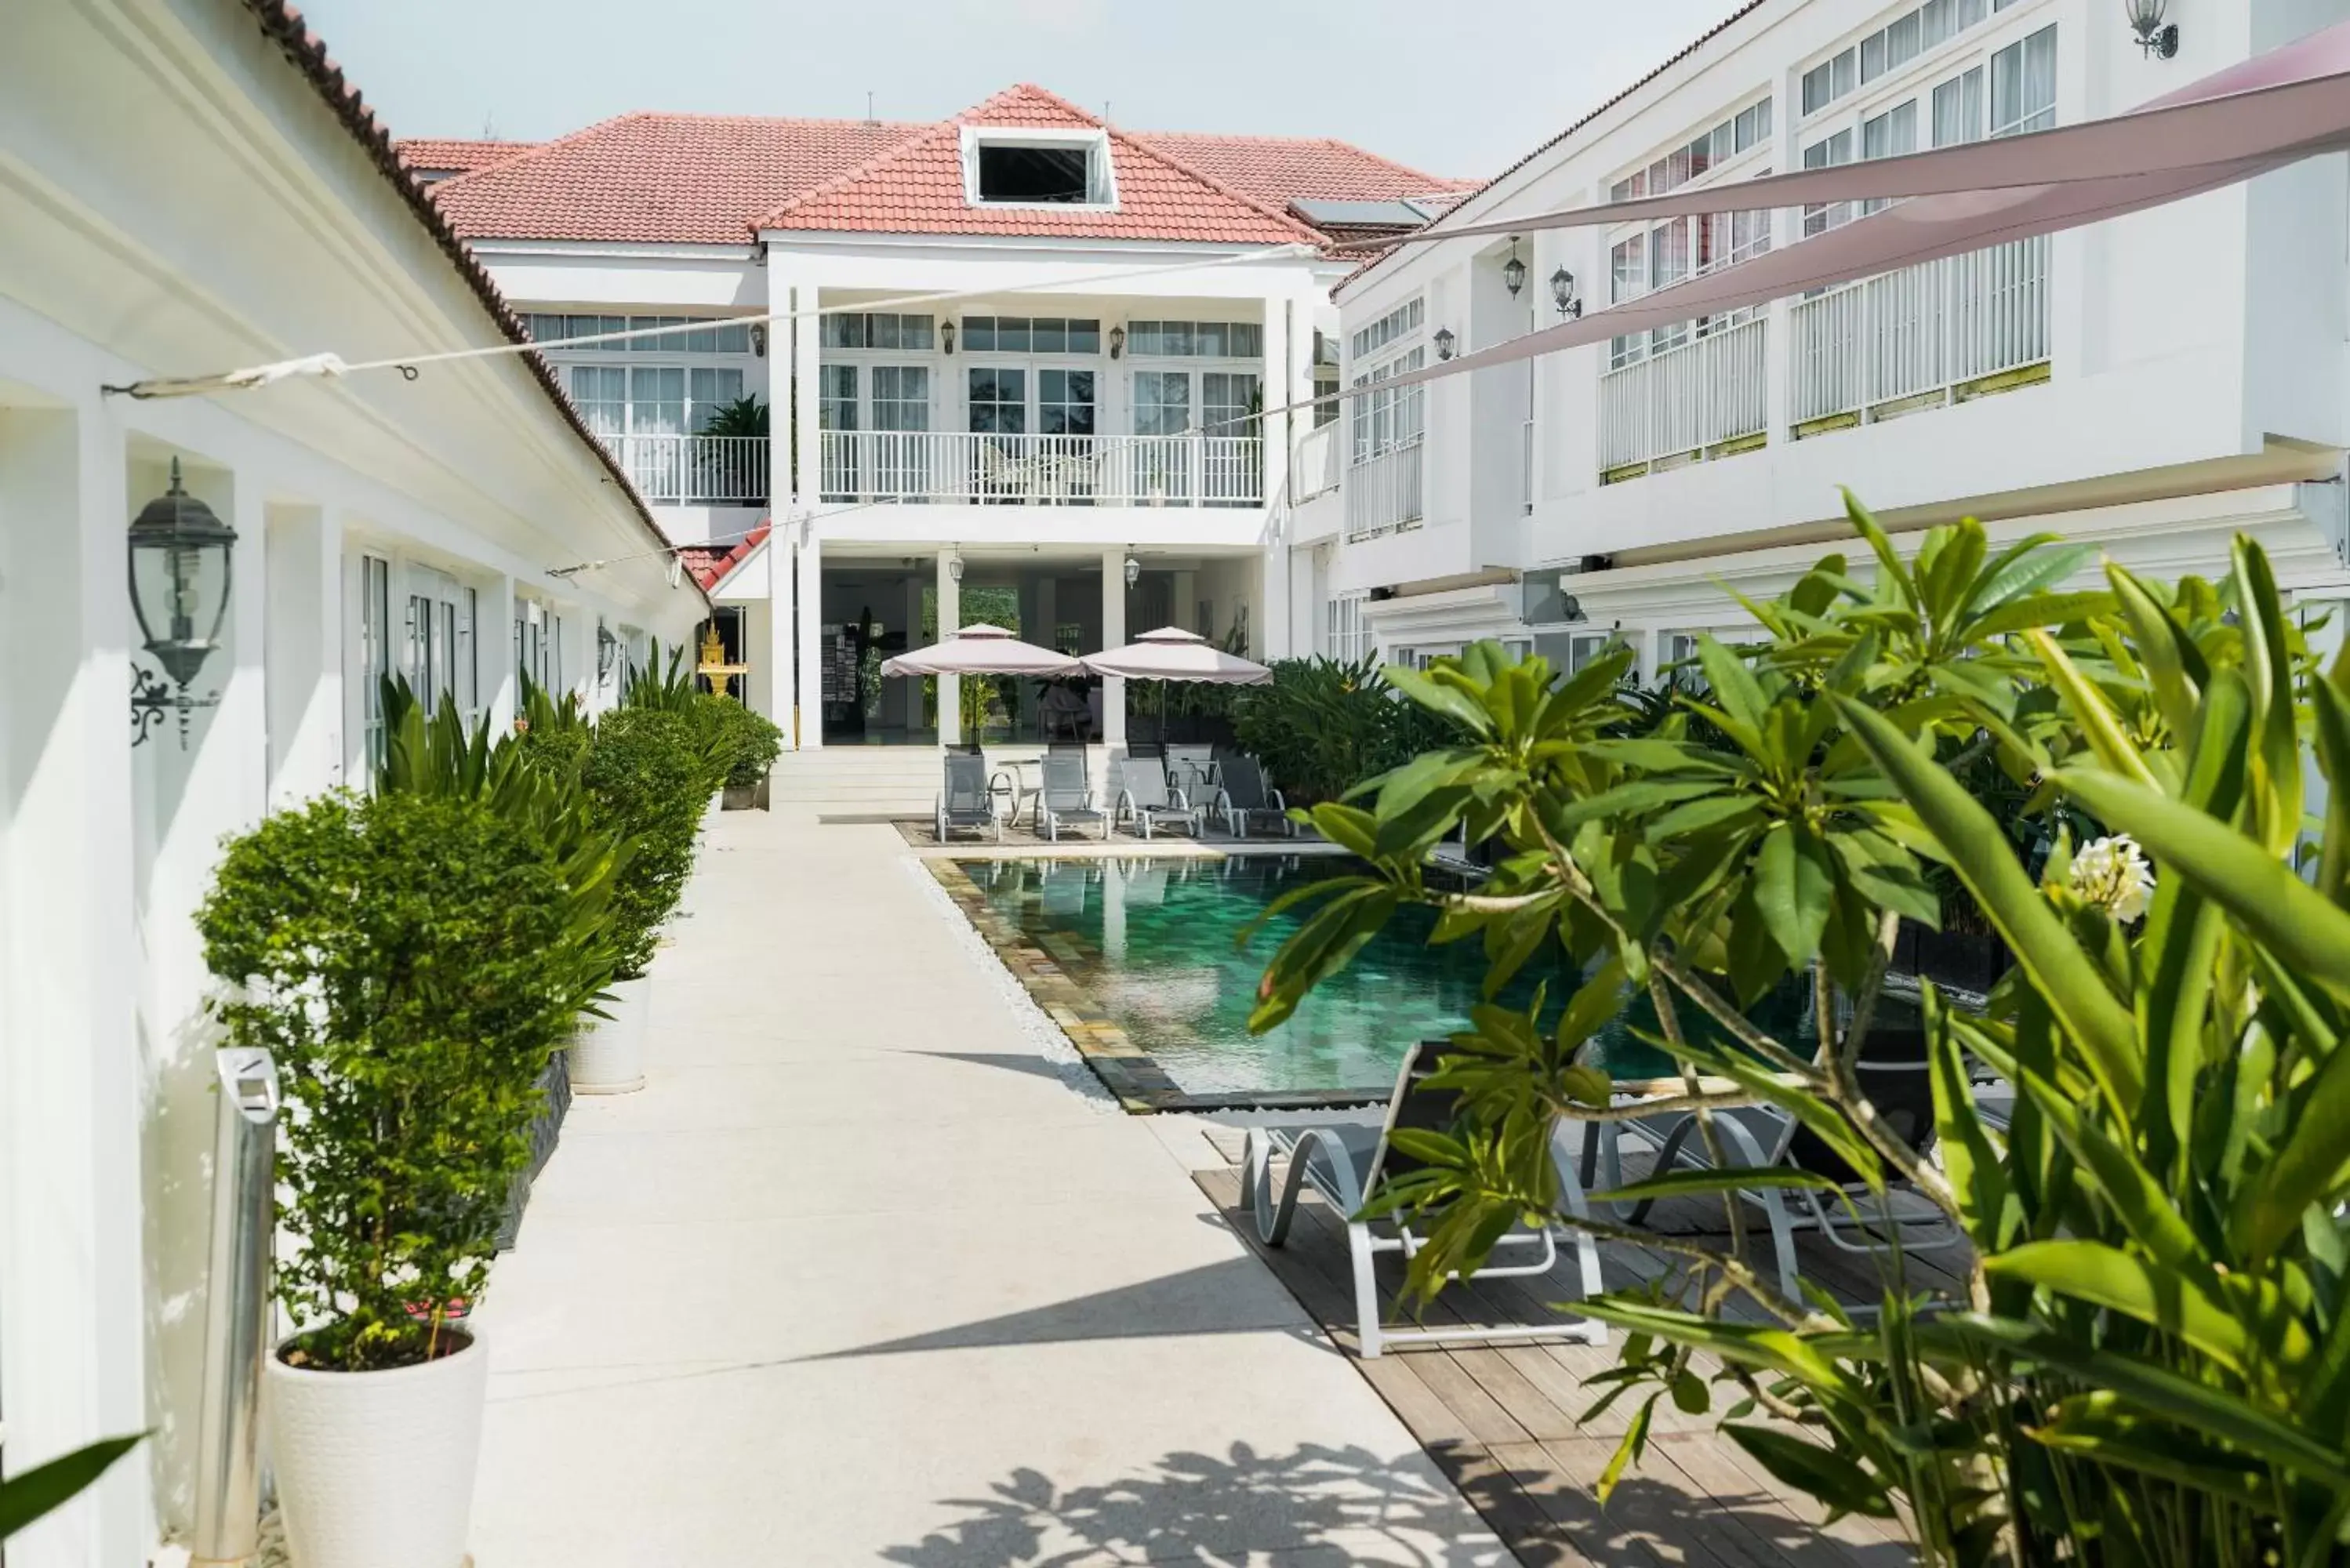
{"x":469,"y":654}
{"x":1032,"y":174}
{"x":1345,"y":637}
{"x":1891,"y":47}
{"x":1227,"y":400}
{"x":601,"y":392}
{"x":1031,"y":335}
{"x":697,"y":334}
{"x":652,"y":399}
{"x":1733,"y":135}
{"x":1401,"y":322}
{"x":2024,"y":85}
{"x":878,"y":329}
{"x":1959,"y":109}
{"x":836,"y":392}
{"x":1065,"y":402}
{"x":998,"y":401}
{"x":902,"y":398}
{"x":1389,"y":418}
{"x":1827,"y":153}
{"x":1890,"y":135}
{"x":375,"y":651}
{"x":1162,"y":402}
{"x":1200,"y":340}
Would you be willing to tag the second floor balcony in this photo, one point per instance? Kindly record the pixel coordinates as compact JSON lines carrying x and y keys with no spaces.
{"x":694,"y":470}
{"x":958,"y":469}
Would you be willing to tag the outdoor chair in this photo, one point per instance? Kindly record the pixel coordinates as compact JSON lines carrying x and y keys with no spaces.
{"x":1144,"y":800}
{"x":969,"y":797}
{"x":1066,"y":795}
{"x":1243,"y":796}
{"x":1894,"y":1073}
{"x":1192,"y":767}
{"x":1348,"y":1163}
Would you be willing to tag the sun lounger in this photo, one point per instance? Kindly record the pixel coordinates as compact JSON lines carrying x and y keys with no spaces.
{"x":1145,"y":802}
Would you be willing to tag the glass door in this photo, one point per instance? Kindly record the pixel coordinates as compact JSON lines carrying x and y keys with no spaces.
{"x":1162,"y":413}
{"x":1067,"y":455}
{"x":998,"y":405}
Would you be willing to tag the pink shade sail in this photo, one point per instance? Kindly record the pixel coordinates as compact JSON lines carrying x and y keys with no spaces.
{"x":982,"y":650}
{"x":1170,"y":653}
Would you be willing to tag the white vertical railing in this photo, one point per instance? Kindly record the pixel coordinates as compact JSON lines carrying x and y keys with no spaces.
{"x":1386,"y":490}
{"x":1315,"y":469}
{"x":1712,"y":388}
{"x":1919,"y":331}
{"x":956,"y":468}
{"x":694,"y":469}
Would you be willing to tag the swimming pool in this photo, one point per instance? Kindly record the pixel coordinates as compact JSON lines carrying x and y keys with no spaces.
{"x":1149,"y":947}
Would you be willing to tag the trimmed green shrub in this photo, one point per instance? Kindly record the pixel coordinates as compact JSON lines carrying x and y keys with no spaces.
{"x":649,"y":777}
{"x":390,"y":951}
{"x":742,"y":744}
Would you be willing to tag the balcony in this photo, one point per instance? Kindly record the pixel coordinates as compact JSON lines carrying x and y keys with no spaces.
{"x":1921,"y":338}
{"x":952,"y":469}
{"x":694,"y":470}
{"x":1708,"y":397}
{"x":1314,"y":471}
{"x":1386,"y":490}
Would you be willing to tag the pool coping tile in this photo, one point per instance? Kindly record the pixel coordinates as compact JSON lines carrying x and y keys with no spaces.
{"x":1140,"y":1084}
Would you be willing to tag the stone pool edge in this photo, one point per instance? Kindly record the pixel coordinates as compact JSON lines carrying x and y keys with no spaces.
{"x":1133,"y":1077}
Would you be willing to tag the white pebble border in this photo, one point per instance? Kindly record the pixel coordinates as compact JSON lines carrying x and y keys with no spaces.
{"x":1035,"y":1022}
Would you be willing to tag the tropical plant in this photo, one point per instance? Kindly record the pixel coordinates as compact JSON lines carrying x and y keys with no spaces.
{"x":390,"y":951}
{"x":649,"y":774}
{"x":2148,"y":1362}
{"x":743,"y":745}
{"x":27,"y":1497}
{"x":745,"y":416}
{"x":672,"y":688}
{"x":1322,"y":725}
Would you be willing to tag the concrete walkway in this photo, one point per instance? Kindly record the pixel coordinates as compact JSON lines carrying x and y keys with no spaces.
{"x":859,"y":1278}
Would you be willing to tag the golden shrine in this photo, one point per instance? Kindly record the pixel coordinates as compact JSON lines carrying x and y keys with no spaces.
{"x":714,"y":665}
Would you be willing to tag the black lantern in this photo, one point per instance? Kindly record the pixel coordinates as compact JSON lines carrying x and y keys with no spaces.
{"x":2156,"y":37}
{"x":607,"y":646}
{"x":1513,"y":272}
{"x":946,"y":335}
{"x":1117,"y":341}
{"x":181,"y":554}
{"x":1444,"y":342}
{"x":1133,"y":571}
{"x":1562,"y":293}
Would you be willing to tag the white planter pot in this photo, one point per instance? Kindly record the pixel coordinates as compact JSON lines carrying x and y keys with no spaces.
{"x":375,"y":1469}
{"x":608,"y":1054}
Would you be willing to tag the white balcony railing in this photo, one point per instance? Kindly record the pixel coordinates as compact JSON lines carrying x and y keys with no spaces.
{"x":1686,"y":401}
{"x":1315,"y":470}
{"x":1908,"y":338}
{"x":694,"y":470}
{"x":950,"y":468}
{"x":1386,"y":490}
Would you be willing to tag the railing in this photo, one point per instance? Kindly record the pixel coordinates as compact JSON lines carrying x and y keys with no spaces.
{"x":694,"y":470}
{"x":1315,"y":470}
{"x":1909,"y":337}
{"x":950,"y":468}
{"x":1714,"y":388}
{"x":1385,"y":490}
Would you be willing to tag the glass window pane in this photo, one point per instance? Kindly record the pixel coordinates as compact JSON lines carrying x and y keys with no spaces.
{"x":1763,"y":120}
{"x":1048,"y":335}
{"x":979,"y":332}
{"x":1817,"y":90}
{"x":1969,"y":13}
{"x":1011,"y":334}
{"x":883,"y":333}
{"x":1084,"y":337}
{"x":736,"y":340}
{"x":1936,"y":22}
{"x":1872,"y":56}
{"x":1248,"y":340}
{"x":916,"y":331}
{"x":1901,"y":41}
{"x":701,"y":341}
{"x":1843,"y":65}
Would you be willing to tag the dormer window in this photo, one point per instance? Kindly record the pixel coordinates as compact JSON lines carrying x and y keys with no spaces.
{"x":1037,"y":168}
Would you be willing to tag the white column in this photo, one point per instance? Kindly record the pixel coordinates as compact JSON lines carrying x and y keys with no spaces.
{"x":72,"y":1292}
{"x":1281,"y":381}
{"x":303,"y":652}
{"x":950,"y":622}
{"x":807,"y":613}
{"x":806,"y":484}
{"x":910,"y":690}
{"x":780,"y":686}
{"x":1113,"y":634}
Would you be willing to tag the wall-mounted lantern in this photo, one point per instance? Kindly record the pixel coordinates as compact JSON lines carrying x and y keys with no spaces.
{"x":2158,"y":38}
{"x":1117,"y":341}
{"x":1513,"y":272}
{"x":181,"y":558}
{"x":759,"y":338}
{"x":1133,"y":571}
{"x":1562,"y":293}
{"x":607,"y":648}
{"x":946,"y":335}
{"x":954,"y":567}
{"x":1444,"y":342}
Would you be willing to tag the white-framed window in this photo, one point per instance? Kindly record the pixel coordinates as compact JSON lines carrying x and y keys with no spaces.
{"x":1891,"y":47}
{"x":1889,"y":135}
{"x":1398,"y":324}
{"x":1750,"y":127}
{"x":652,"y":399}
{"x":1827,"y":153}
{"x":375,"y":652}
{"x":1195,"y":339}
{"x":1345,"y":635}
{"x":902,"y":396}
{"x":2024,"y":85}
{"x":1042,"y":168}
{"x":1665,"y":253}
{"x":1031,"y":335}
{"x":440,"y":636}
{"x":1386,"y":418}
{"x":1957,"y":109}
{"x":534,"y":635}
{"x":694,"y":334}
{"x":469,"y":654}
{"x":878,"y":329}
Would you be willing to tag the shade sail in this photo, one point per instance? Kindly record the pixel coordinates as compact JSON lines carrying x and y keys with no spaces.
{"x":1170,"y":653}
{"x":982,"y":650}
{"x":2290,"y":103}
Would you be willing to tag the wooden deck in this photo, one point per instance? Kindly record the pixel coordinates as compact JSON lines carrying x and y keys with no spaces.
{"x":1502,"y":1420}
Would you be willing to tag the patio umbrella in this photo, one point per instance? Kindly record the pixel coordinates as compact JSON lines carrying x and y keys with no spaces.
{"x":1170,"y":653}
{"x":982,"y":650}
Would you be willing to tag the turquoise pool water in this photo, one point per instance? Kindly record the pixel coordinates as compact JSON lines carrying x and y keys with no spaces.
{"x":1152,"y":941}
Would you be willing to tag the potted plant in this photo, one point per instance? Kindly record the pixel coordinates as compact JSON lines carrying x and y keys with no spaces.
{"x":647,"y":774}
{"x":391,"y":953}
{"x":747,"y":744}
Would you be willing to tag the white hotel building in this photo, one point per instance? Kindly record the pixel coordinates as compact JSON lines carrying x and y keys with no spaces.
{"x":2155,"y":384}
{"x":1063,"y":435}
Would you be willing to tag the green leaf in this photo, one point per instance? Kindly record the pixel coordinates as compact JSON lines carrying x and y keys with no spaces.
{"x":1793,"y":885}
{"x":2100,"y":725}
{"x":24,"y":1498}
{"x":1836,"y":1481}
{"x":1449,"y":700}
{"x":1976,"y":848}
{"x":2307,"y":931}
{"x":1636,"y":1441}
{"x":1705,"y":1183}
{"x":2108,"y":1277}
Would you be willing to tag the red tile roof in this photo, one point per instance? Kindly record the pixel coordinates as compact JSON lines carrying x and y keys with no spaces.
{"x":718,"y":179}
{"x":711,"y":563}
{"x":916,"y":187}
{"x":1279,"y":169}
{"x":422,"y":153}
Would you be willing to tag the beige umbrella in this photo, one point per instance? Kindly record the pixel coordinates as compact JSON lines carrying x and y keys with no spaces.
{"x":1170,"y":653}
{"x":982,"y":650}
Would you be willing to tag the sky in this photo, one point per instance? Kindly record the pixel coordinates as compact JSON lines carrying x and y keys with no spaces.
{"x":1432,"y":83}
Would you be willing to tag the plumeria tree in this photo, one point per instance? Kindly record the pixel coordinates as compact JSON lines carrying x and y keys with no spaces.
{"x":2146,"y":1362}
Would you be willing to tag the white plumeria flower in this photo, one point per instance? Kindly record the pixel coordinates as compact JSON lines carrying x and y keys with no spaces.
{"x":2113,"y":873}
